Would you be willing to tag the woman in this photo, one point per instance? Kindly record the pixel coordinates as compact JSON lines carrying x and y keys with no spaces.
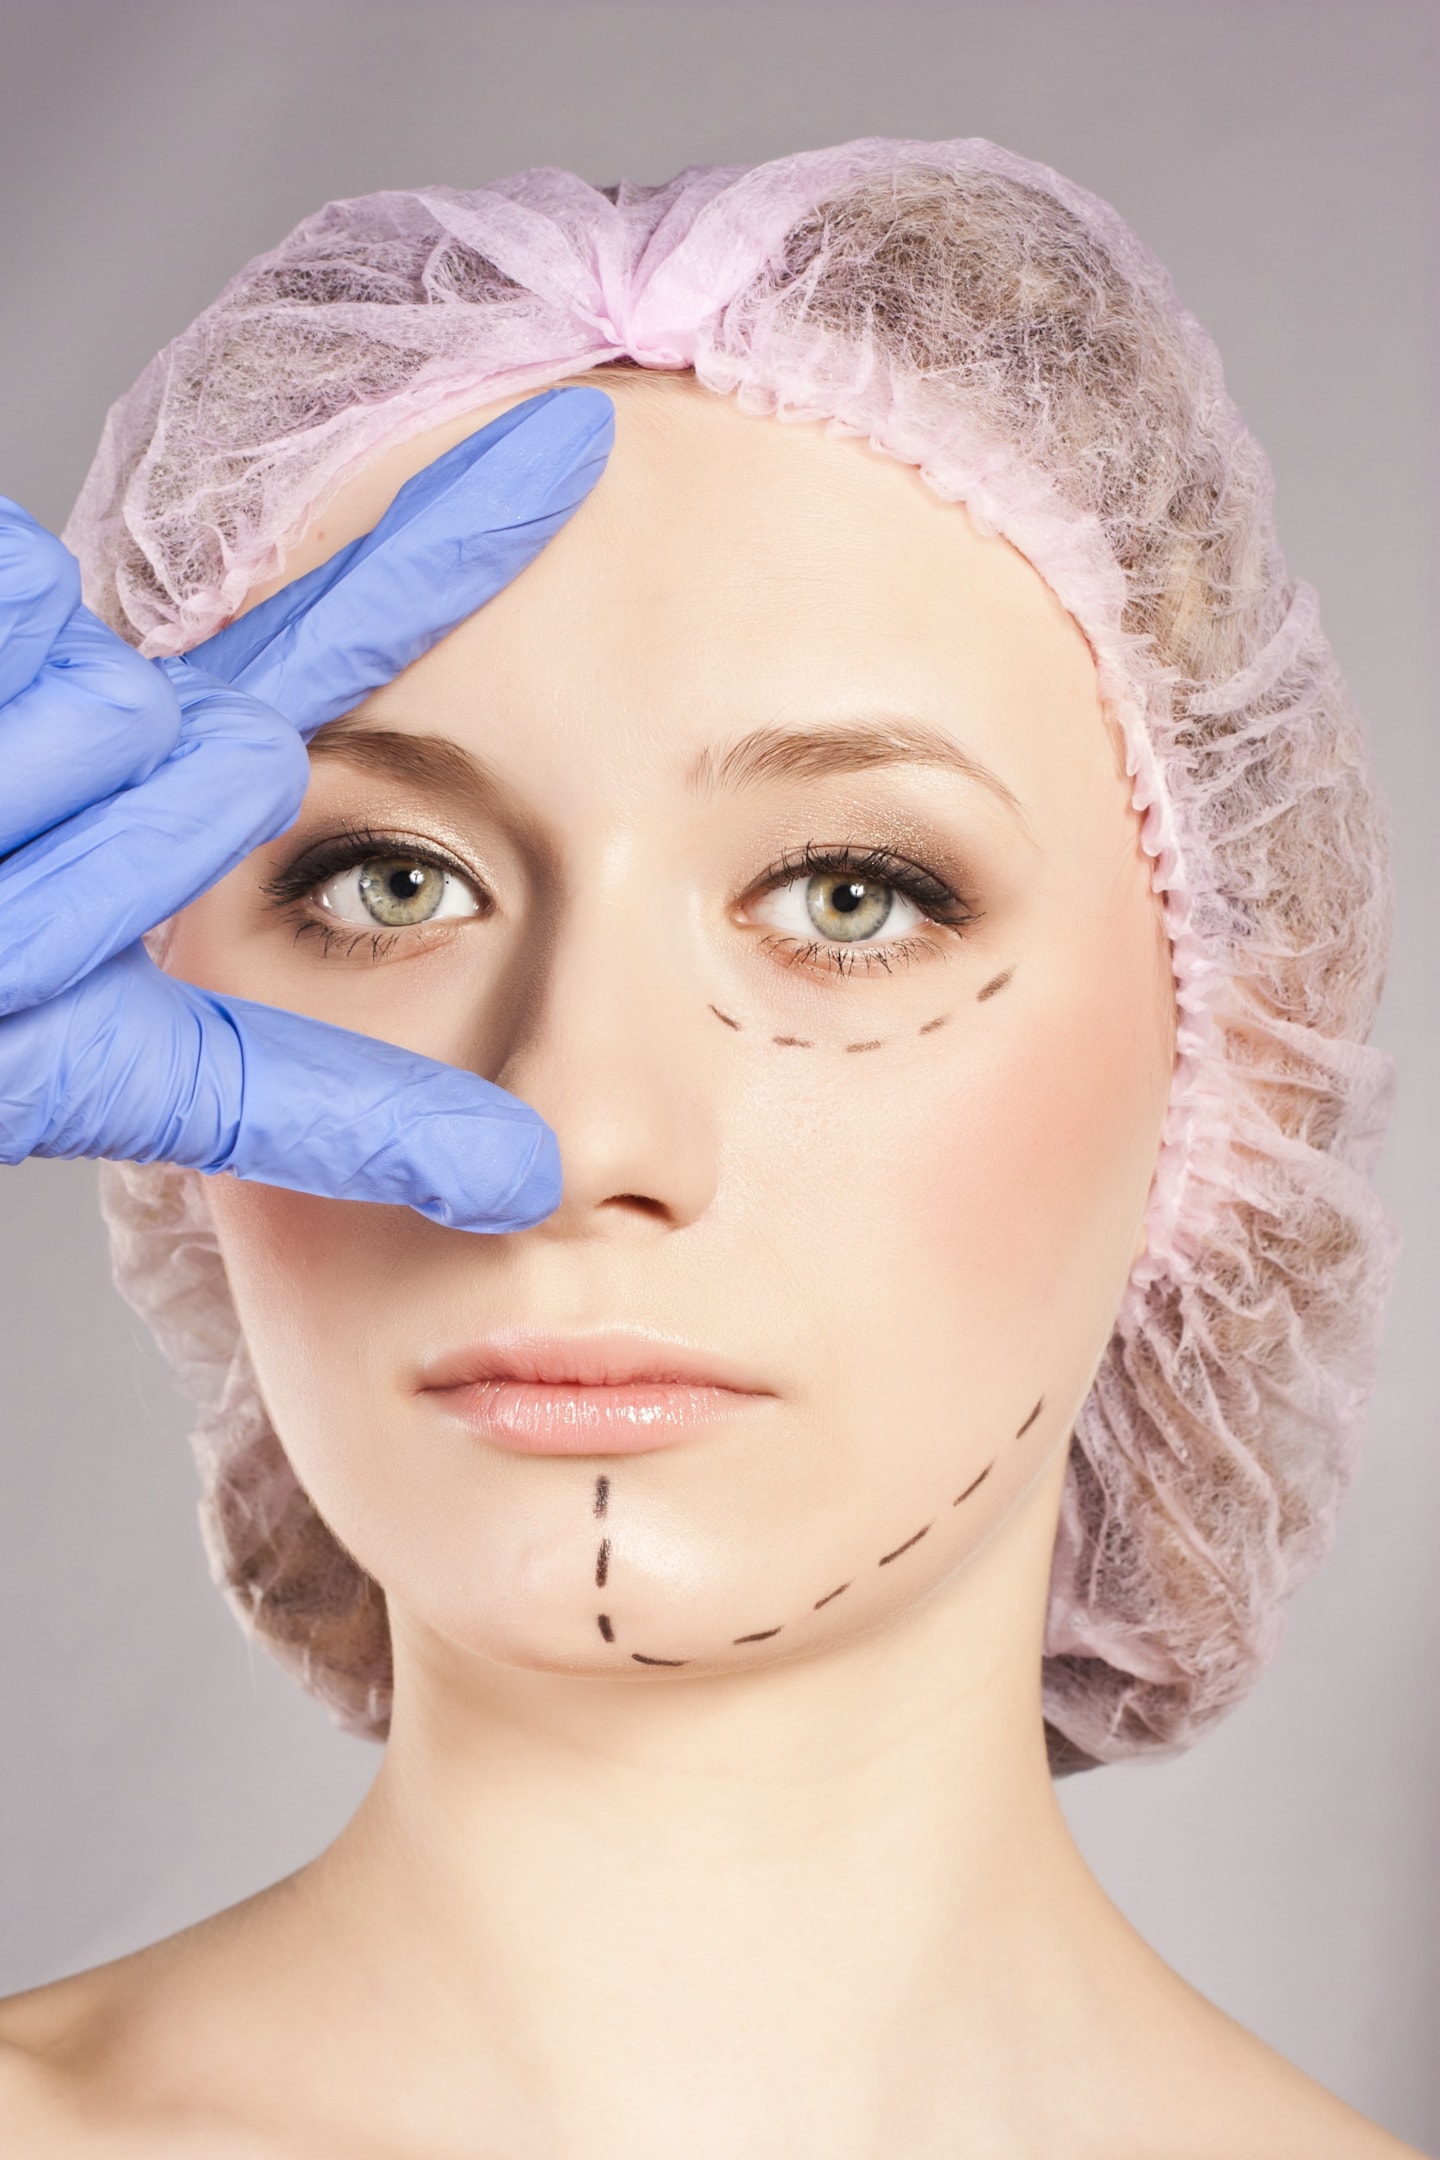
{"x":941,"y":941}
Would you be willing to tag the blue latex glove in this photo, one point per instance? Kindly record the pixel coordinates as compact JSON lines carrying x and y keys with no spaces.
{"x":127,"y":787}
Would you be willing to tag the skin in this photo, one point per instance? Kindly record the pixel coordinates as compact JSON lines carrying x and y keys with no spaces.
{"x":811,"y":1895}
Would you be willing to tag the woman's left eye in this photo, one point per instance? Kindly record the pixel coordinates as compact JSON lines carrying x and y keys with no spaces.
{"x":392,"y":892}
{"x":837,"y":907}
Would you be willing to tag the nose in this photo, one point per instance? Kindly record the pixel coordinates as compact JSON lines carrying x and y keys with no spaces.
{"x":611,"y":1053}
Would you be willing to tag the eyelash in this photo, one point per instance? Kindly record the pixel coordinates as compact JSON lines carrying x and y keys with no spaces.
{"x":298,"y":882}
{"x":329,"y":858}
{"x":947,"y":909}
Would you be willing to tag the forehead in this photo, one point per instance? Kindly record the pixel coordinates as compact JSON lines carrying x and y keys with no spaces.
{"x":730,"y":572}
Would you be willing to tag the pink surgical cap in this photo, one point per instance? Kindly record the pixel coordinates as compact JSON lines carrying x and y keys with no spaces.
{"x":980,"y":318}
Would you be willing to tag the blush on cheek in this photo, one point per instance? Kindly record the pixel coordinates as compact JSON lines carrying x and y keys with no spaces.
{"x":1034,"y":1182}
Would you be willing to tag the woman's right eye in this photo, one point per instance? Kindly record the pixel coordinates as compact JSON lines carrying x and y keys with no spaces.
{"x":393,"y":892}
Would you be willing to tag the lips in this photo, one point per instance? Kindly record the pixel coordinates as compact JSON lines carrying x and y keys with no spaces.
{"x":611,"y":1394}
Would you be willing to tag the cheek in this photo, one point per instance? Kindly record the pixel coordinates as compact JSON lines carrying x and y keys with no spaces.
{"x":1050,"y":1154}
{"x":968,"y":1212}
{"x":315,"y":1283}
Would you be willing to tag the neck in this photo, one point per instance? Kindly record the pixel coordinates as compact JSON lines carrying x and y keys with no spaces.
{"x":826,"y":1878}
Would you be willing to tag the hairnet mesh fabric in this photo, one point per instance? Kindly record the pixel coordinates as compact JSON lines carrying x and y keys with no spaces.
{"x":983,"y":319}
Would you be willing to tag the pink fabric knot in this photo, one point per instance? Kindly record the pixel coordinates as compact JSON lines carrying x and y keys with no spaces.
{"x":621,"y":315}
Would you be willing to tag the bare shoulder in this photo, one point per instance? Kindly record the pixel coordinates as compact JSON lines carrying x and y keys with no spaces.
{"x":103,"y":2066}
{"x":1236,"y":2096}
{"x":47,"y":2102}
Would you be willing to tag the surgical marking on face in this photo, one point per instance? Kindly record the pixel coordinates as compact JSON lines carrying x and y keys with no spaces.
{"x":931,"y":1025}
{"x":877,"y":1044}
{"x":996,"y":983}
{"x":791,"y":1042}
{"x":886,"y":1558}
{"x":726,"y":1018}
{"x":768,"y":1634}
{"x":974,"y":1485}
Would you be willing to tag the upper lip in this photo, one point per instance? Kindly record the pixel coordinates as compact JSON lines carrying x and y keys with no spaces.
{"x":610,"y":1359}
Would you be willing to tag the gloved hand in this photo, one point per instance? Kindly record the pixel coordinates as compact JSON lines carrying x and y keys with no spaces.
{"x":128,"y":786}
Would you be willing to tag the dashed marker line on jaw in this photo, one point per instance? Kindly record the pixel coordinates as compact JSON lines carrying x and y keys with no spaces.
{"x":974,"y":1485}
{"x":759,"y":1635}
{"x":886,"y":1558}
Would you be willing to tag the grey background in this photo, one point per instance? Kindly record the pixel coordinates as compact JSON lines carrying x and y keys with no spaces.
{"x":1280,"y":160}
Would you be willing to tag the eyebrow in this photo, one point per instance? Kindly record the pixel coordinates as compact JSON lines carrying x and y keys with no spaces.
{"x":436,"y":763}
{"x":773,"y":753}
{"x":432,"y":762}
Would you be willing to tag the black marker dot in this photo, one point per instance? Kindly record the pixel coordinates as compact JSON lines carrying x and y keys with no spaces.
{"x":602,"y":1563}
{"x":764,"y":1636}
{"x":605,"y":1628}
{"x":886,"y":1558}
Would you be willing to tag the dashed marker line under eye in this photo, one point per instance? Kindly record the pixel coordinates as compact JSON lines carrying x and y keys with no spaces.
{"x":607,"y":1632}
{"x":990,"y":988}
{"x":792,"y":1042}
{"x":828,"y":1596}
{"x":764,"y":1635}
{"x":602,"y":1564}
{"x":726,"y":1018}
{"x":931,"y":1025}
{"x":877,"y":1044}
{"x":1031,"y":1419}
{"x":602,"y":1495}
{"x":639,"y":1660}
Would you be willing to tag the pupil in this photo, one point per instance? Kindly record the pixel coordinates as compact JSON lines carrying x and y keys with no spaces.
{"x":404,"y":884}
{"x":847,"y":908}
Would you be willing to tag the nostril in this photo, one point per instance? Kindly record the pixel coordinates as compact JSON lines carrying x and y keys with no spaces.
{"x":640,"y":1204}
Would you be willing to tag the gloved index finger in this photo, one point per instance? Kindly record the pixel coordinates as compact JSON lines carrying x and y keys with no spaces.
{"x":456,"y":533}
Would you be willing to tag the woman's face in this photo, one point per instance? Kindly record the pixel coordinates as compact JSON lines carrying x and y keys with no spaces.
{"x":768,"y":838}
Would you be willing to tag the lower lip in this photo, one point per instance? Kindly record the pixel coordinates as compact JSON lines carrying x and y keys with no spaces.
{"x":634,"y":1418}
